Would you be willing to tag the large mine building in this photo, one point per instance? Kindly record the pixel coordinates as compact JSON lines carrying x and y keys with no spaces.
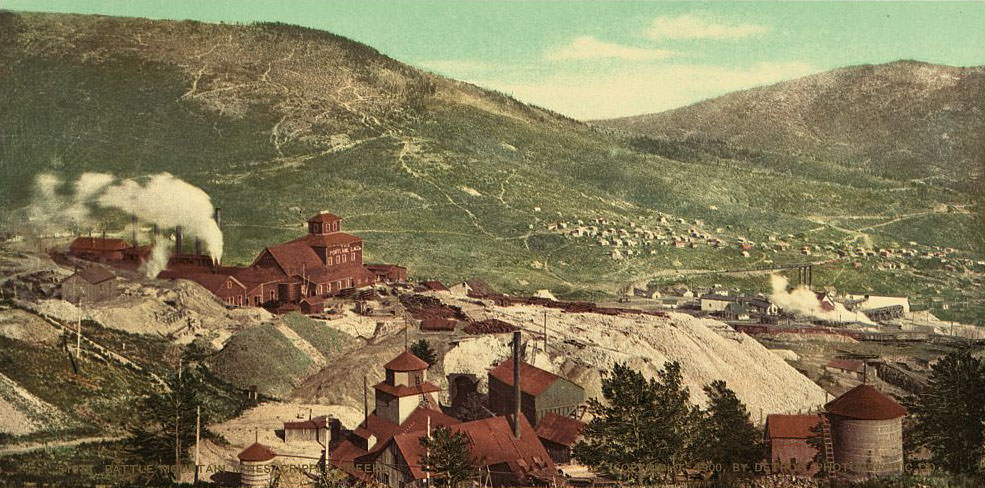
{"x":323,"y":262}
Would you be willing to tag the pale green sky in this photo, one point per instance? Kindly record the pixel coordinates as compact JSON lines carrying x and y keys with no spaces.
{"x":592,"y":59}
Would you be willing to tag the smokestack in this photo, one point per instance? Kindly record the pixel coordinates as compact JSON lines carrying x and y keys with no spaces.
{"x":810,"y":276}
{"x":516,"y":384}
{"x":177,"y":241}
{"x":365,"y":403}
{"x":198,"y":247}
{"x":218,"y":217}
{"x":133,"y":224}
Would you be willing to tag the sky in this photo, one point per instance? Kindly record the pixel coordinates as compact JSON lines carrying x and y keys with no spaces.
{"x":601,"y":59}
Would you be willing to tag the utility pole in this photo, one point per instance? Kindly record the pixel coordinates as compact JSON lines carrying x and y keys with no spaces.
{"x":198,"y":433}
{"x":545,"y":331}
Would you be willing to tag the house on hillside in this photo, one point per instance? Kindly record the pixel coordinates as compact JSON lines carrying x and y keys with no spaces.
{"x":89,"y":285}
{"x":713,"y":303}
{"x":542,"y":392}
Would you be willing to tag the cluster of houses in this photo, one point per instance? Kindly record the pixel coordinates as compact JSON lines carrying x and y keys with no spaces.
{"x":513,"y":445}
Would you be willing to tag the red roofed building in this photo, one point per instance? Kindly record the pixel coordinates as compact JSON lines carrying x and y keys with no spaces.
{"x":405,"y":402}
{"x":324,"y":262}
{"x":255,"y":469}
{"x":788,"y":448}
{"x":542,"y":392}
{"x":867,"y":432}
{"x":558,"y":435}
{"x":99,"y":249}
{"x":509,"y":460}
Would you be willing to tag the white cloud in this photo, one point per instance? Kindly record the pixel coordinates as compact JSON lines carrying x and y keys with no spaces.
{"x":692,"y":27}
{"x":587,"y":47}
{"x":641,"y":89}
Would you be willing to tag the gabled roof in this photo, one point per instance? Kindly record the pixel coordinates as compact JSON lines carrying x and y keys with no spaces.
{"x":533,"y":380}
{"x":559,"y":429}
{"x":721,"y":298}
{"x":491,"y":442}
{"x":214,"y":282}
{"x":791,"y":426}
{"x":865,"y":403}
{"x":324,"y":217}
{"x":406,"y":362}
{"x":257,"y":453}
{"x":295,"y":257}
{"x":98,"y":244}
{"x":95,"y":274}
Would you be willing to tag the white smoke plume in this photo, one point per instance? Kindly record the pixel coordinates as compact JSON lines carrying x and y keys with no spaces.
{"x":158,"y":259}
{"x":160,"y":199}
{"x":801,"y":300}
{"x":168,"y":202}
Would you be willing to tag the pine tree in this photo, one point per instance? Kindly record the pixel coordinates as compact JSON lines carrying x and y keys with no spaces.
{"x":448,"y":457}
{"x":645,"y":430}
{"x":165,"y":417}
{"x":423,"y":350}
{"x":950,"y":414}
{"x":728,"y":436}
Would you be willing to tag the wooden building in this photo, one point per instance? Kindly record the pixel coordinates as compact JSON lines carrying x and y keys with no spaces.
{"x":542,"y":392}
{"x":99,"y":249}
{"x":318,"y":429}
{"x":88,"y":285}
{"x":789,"y":446}
{"x":559,"y":434}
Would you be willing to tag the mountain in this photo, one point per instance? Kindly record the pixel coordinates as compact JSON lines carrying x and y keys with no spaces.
{"x":277,"y":122}
{"x":903,"y":120}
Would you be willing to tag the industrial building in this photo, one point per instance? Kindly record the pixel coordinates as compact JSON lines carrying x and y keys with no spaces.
{"x":559,"y":434}
{"x":287,"y":276}
{"x":542,"y":392}
{"x":90,"y":284}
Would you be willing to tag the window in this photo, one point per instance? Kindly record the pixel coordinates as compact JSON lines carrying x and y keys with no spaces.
{"x":344,"y":258}
{"x":353,"y":257}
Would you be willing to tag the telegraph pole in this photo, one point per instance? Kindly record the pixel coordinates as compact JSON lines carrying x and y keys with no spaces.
{"x":198,"y":433}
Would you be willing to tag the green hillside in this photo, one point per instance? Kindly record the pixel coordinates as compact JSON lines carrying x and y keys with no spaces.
{"x":277,"y":122}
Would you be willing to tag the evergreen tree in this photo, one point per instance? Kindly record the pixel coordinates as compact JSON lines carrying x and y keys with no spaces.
{"x":165,"y":417}
{"x":950,"y":414}
{"x":728,"y":436}
{"x":423,"y":350}
{"x":645,"y":430}
{"x":448,"y":457}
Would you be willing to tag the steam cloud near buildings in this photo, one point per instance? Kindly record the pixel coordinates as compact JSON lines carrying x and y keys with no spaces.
{"x":161,"y":199}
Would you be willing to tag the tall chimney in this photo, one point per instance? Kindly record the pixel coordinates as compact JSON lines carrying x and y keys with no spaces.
{"x":218,"y":217}
{"x":365,"y":402}
{"x":133,"y":224}
{"x":516,"y":384}
{"x":177,"y":241}
{"x":198,"y":247}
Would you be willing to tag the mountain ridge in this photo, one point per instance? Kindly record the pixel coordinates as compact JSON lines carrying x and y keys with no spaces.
{"x":905,"y":119}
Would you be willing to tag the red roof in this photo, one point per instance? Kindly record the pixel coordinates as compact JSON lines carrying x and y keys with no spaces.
{"x":791,"y":426}
{"x":214,"y":282}
{"x":865,"y":403}
{"x":491,"y":442}
{"x":846,"y":364}
{"x":560,"y":429}
{"x":325,"y":217}
{"x":533,"y":380}
{"x":406,"y":362}
{"x":437,"y":323}
{"x":98,"y":244}
{"x":257,"y":453}
{"x":435,"y":285}
{"x":295,"y":256}
{"x":328,"y":240}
